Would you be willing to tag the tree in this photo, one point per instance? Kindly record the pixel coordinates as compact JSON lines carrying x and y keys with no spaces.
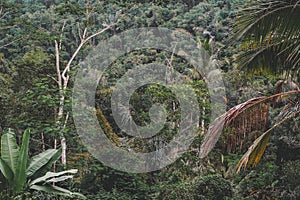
{"x":18,"y":173}
{"x":63,"y":76}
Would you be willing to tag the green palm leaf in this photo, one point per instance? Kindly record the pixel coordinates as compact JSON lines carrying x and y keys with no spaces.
{"x":52,"y":175}
{"x":46,"y":167}
{"x":10,"y":150}
{"x":20,"y":177}
{"x":270,"y":31}
{"x":38,"y":161}
{"x":6,"y":171}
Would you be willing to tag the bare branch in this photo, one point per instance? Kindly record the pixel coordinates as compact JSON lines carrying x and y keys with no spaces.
{"x":172,"y":57}
{"x":60,"y":37}
{"x":52,"y":78}
{"x":4,"y":14}
{"x":98,"y":33}
{"x":66,"y":120}
{"x":84,"y":34}
{"x":78,"y":49}
{"x":79,"y":33}
{"x":5,"y":45}
{"x":57,"y":66}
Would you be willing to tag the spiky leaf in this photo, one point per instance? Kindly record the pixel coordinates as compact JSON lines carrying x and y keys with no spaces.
{"x":255,"y":152}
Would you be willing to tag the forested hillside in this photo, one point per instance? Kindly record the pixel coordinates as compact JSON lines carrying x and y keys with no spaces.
{"x":245,"y":146}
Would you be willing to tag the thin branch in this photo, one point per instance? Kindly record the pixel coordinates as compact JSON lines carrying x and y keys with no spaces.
{"x":84,"y":34}
{"x":3,"y":46}
{"x":57,"y":65}
{"x":98,"y":33}
{"x":66,"y":120}
{"x":52,"y":78}
{"x":4,"y":14}
{"x":170,"y":67}
{"x":78,"y":49}
{"x":60,"y":37}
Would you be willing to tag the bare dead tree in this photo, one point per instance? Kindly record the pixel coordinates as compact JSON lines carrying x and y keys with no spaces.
{"x":63,"y":78}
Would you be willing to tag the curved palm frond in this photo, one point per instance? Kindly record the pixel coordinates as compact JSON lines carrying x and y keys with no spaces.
{"x":246,"y":109}
{"x":244,"y":118}
{"x":270,"y":31}
{"x":257,"y":149}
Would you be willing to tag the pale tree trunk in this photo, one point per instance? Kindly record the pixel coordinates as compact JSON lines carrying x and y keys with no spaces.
{"x":203,"y":116}
{"x":62,"y":83}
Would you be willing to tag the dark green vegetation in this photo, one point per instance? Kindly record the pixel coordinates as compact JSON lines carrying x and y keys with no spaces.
{"x":21,"y":175}
{"x":257,"y":48}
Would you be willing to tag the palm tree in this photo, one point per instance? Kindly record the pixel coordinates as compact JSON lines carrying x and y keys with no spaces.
{"x":270,"y":35}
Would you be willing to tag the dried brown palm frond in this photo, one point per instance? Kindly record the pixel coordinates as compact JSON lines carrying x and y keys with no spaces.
{"x":235,"y":115}
{"x":257,"y":149}
{"x":244,"y":118}
{"x":292,"y":106}
{"x":282,"y":86}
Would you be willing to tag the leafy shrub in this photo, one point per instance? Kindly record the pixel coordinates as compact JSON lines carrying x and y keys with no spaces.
{"x":212,"y":186}
{"x":177,"y":191}
{"x":291,"y":174}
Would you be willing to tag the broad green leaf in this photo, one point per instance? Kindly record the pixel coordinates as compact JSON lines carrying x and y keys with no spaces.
{"x":57,"y":190}
{"x":47,"y":167}
{"x":38,"y":161}
{"x":10,"y":150}
{"x":6,"y":171}
{"x":59,"y":179}
{"x":52,"y":175}
{"x":20,"y":177}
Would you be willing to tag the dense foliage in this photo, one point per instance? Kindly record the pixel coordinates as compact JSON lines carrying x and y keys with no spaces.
{"x":37,"y":37}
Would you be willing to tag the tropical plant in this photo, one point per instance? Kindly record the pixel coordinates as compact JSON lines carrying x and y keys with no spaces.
{"x":249,"y":117}
{"x":20,"y":174}
{"x":270,"y":32}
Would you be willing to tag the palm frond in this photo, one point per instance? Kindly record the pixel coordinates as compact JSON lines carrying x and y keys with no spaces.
{"x":270,"y":31}
{"x":244,"y":118}
{"x":282,"y":86}
{"x":257,"y":149}
{"x":265,"y":16}
{"x":234,"y":117}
